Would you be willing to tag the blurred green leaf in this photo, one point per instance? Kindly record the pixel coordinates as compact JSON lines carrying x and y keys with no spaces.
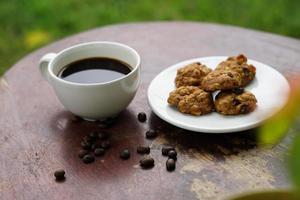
{"x":36,"y":38}
{"x":274,"y":130}
{"x":294,"y":162}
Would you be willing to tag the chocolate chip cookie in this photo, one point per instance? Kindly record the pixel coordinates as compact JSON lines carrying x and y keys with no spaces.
{"x":191,"y":75}
{"x":178,"y":94}
{"x":221,"y":80}
{"x":191,"y":100}
{"x":235,"y":102}
{"x":239,"y":64}
{"x":197,"y":103}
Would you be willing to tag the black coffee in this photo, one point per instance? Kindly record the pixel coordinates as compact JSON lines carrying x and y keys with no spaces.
{"x":94,"y":70}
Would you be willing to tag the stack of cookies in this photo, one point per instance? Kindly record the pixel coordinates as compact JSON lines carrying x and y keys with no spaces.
{"x":195,"y":84}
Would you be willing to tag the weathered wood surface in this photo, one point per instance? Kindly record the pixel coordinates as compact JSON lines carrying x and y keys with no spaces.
{"x":37,"y":135}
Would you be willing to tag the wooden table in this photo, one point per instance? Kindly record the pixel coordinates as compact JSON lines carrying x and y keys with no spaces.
{"x":37,"y":135}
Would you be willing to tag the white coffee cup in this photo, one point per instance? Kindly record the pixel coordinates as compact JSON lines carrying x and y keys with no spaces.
{"x":97,"y":100}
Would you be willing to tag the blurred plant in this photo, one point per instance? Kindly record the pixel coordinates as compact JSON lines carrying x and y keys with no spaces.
{"x":277,"y":127}
{"x":36,"y":38}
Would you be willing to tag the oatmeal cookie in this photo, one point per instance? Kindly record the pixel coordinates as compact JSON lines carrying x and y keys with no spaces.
{"x":178,"y":94}
{"x":191,"y":75}
{"x":239,"y":64}
{"x":197,"y":103}
{"x":221,"y":80}
{"x":235,"y":102}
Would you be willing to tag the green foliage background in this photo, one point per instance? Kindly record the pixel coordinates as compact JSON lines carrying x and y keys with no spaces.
{"x":29,"y":24}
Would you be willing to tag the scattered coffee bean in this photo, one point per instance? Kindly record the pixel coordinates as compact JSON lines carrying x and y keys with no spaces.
{"x":170,"y":164}
{"x":172,"y":154}
{"x":88,"y":158}
{"x":103,"y":135}
{"x":99,"y":151}
{"x":85,"y":145}
{"x":147,"y":162}
{"x":94,"y":135}
{"x":151,"y":134}
{"x":143,"y":150}
{"x":82,"y":153}
{"x":87,"y":139}
{"x":125,"y":154}
{"x":105,"y":144}
{"x":165,"y":150}
{"x":142,"y":117}
{"x":94,"y":146}
{"x":59,"y":174}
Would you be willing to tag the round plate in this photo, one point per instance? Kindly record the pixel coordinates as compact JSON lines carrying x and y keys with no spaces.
{"x":269,"y":86}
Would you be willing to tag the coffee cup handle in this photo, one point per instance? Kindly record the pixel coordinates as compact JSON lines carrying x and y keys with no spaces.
{"x":44,"y":63}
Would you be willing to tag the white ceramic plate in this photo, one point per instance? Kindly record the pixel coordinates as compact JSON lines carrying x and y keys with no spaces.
{"x":269,"y":86}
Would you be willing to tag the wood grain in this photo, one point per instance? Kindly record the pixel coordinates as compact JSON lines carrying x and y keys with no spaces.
{"x":37,"y":135}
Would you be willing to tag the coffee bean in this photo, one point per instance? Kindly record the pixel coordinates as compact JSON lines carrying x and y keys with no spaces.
{"x":103,"y":135}
{"x":99,"y":151}
{"x":87,"y":139}
{"x":143,"y":150}
{"x":125,"y":154}
{"x":94,"y":135}
{"x":85,"y":145}
{"x":170,"y":164}
{"x":142,"y":117}
{"x":165,"y":150}
{"x":147,"y":162}
{"x":82,"y":153}
{"x":172,"y":154}
{"x":151,"y":134}
{"x":59,"y":174}
{"x":88,"y":158}
{"x":105,"y":144}
{"x":94,"y":146}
